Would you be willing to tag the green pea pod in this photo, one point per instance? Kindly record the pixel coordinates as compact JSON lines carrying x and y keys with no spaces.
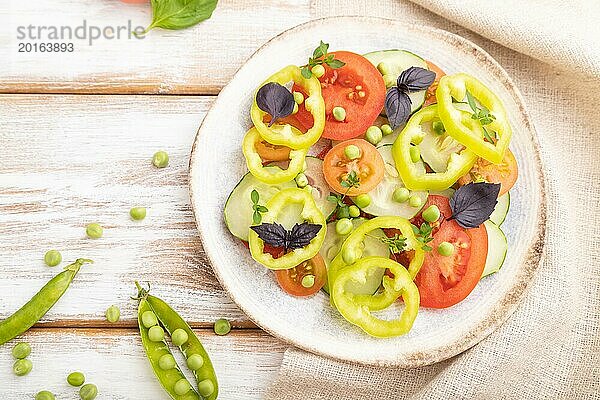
{"x":40,"y":303}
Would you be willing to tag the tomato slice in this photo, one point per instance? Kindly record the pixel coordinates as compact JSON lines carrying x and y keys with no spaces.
{"x":290,"y":280}
{"x":271,"y":152}
{"x":369,"y":167}
{"x":445,"y":281}
{"x":358,"y":87}
{"x":443,"y":204}
{"x":505,"y":173}
{"x":430,"y":94}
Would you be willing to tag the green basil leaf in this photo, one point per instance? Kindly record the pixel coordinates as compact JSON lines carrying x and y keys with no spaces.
{"x":336,"y":64}
{"x":180,"y":14}
{"x":306,"y":72}
{"x":254,"y":196}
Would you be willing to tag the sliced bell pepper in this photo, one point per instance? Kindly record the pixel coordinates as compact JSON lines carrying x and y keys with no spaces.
{"x":277,"y":206}
{"x":414,"y":175}
{"x":271,"y":175}
{"x":359,"y":314}
{"x":459,"y":125}
{"x":314,"y":103}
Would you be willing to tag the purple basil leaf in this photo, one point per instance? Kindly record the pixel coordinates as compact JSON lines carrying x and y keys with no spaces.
{"x":302,"y":234}
{"x":414,"y":79}
{"x":275,"y":100}
{"x":273,"y":234}
{"x":397,"y":107}
{"x":473,"y":203}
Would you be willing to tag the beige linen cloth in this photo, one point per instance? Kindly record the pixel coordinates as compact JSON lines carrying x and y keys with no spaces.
{"x":550,"y":347}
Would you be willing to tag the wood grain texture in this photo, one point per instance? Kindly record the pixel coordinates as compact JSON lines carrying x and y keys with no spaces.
{"x":113,"y":359}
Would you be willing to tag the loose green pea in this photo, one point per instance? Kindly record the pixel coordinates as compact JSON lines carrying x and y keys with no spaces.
{"x":415,"y":154}
{"x":431,"y":213}
{"x":401,"y":194}
{"x":343,"y":226}
{"x":362,"y":200}
{"x":52,"y":258}
{"x":222,"y":327}
{"x":156,"y":333}
{"x":438,"y":127}
{"x":295,"y":109}
{"x":384,"y":68}
{"x":301,"y":180}
{"x":318,"y":71}
{"x":94,"y":231}
{"x":149,"y":319}
{"x":389,"y":80}
{"x":21,"y":350}
{"x":352,"y":152}
{"x":308,"y":281}
{"x":113,"y":314}
{"x":138,"y":213}
{"x":88,"y":391}
{"x":446,"y":249}
{"x":354,"y":211}
{"x":374,"y":135}
{"x":298,"y":97}
{"x":167,"y":362}
{"x":76,"y":379}
{"x":206,"y":388}
{"x":45,"y":395}
{"x":415,"y":201}
{"x":160,"y":159}
{"x":181,"y":387}
{"x":22,"y":367}
{"x":195,"y":362}
{"x":349,"y":255}
{"x":386,"y":129}
{"x":339,"y":113}
{"x":179,"y":337}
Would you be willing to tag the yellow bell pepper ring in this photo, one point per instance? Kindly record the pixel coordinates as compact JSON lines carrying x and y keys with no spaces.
{"x":271,"y":175}
{"x":278,"y":205}
{"x":459,"y":124}
{"x":360,"y":315}
{"x":314,"y":104}
{"x":413,"y":175}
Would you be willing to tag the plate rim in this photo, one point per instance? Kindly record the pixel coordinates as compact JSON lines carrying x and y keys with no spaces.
{"x":506,"y":306}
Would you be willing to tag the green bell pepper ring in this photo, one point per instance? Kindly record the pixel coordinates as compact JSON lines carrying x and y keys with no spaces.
{"x":459,"y":125}
{"x":277,"y":206}
{"x":314,"y":104}
{"x":414,"y":175}
{"x":271,"y":175}
{"x":359,"y":314}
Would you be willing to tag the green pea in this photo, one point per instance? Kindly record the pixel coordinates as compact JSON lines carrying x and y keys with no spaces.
{"x":386,"y":129}
{"x":374,"y":135}
{"x":21,"y":350}
{"x":195,"y":362}
{"x":339,"y":113}
{"x":301,"y":180}
{"x":438,"y":127}
{"x":167,"y":362}
{"x":88,"y":391}
{"x":308,"y":281}
{"x":389,"y":80}
{"x":179,"y":337}
{"x":138,"y":213}
{"x":352,"y":152}
{"x":401,"y":194}
{"x":149,"y":319}
{"x":295,"y":109}
{"x":349,"y":255}
{"x":113,"y":314}
{"x":222,"y":327}
{"x":431,"y":213}
{"x":160,"y":159}
{"x":343,"y":212}
{"x":362,"y":200}
{"x":354,"y":211}
{"x":446,"y":249}
{"x":52,"y":258}
{"x":44,"y":395}
{"x":206,"y":387}
{"x":156,"y":333}
{"x":318,"y":71}
{"x":298,"y":97}
{"x":76,"y":379}
{"x":415,"y":201}
{"x":343,"y":226}
{"x":181,"y":387}
{"x":415,"y":154}
{"x":384,"y":68}
{"x":22,"y":367}
{"x":94,"y":231}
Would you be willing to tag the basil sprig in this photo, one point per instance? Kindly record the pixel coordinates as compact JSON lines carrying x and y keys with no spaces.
{"x":473,"y":203}
{"x":397,"y":102}
{"x":179,"y":14}
{"x":276,"y":235}
{"x":275,"y":100}
{"x":321,"y":57}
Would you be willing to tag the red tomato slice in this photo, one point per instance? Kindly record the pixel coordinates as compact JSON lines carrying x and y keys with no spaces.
{"x":290,"y":280}
{"x":358,"y":87}
{"x":443,"y":204}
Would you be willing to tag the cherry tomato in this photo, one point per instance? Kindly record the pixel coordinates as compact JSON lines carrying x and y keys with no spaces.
{"x":369,"y":167}
{"x":290,"y":280}
{"x":505,"y":173}
{"x":430,"y":94}
{"x":358,"y":87}
{"x":271,"y":152}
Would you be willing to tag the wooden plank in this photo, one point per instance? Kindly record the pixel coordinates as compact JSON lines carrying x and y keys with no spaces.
{"x":113,"y":359}
{"x":70,"y":160}
{"x":198,"y":60}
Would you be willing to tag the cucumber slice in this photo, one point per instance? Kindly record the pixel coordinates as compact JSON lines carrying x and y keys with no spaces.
{"x":381,"y":197}
{"x":320,"y":189}
{"x":373,"y":247}
{"x":497,"y":248}
{"x":499,"y":214}
{"x":436,"y":149}
{"x":238,"y":208}
{"x":392,"y":63}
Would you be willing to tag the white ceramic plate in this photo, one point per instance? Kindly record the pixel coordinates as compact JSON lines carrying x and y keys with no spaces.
{"x":217,"y":164}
